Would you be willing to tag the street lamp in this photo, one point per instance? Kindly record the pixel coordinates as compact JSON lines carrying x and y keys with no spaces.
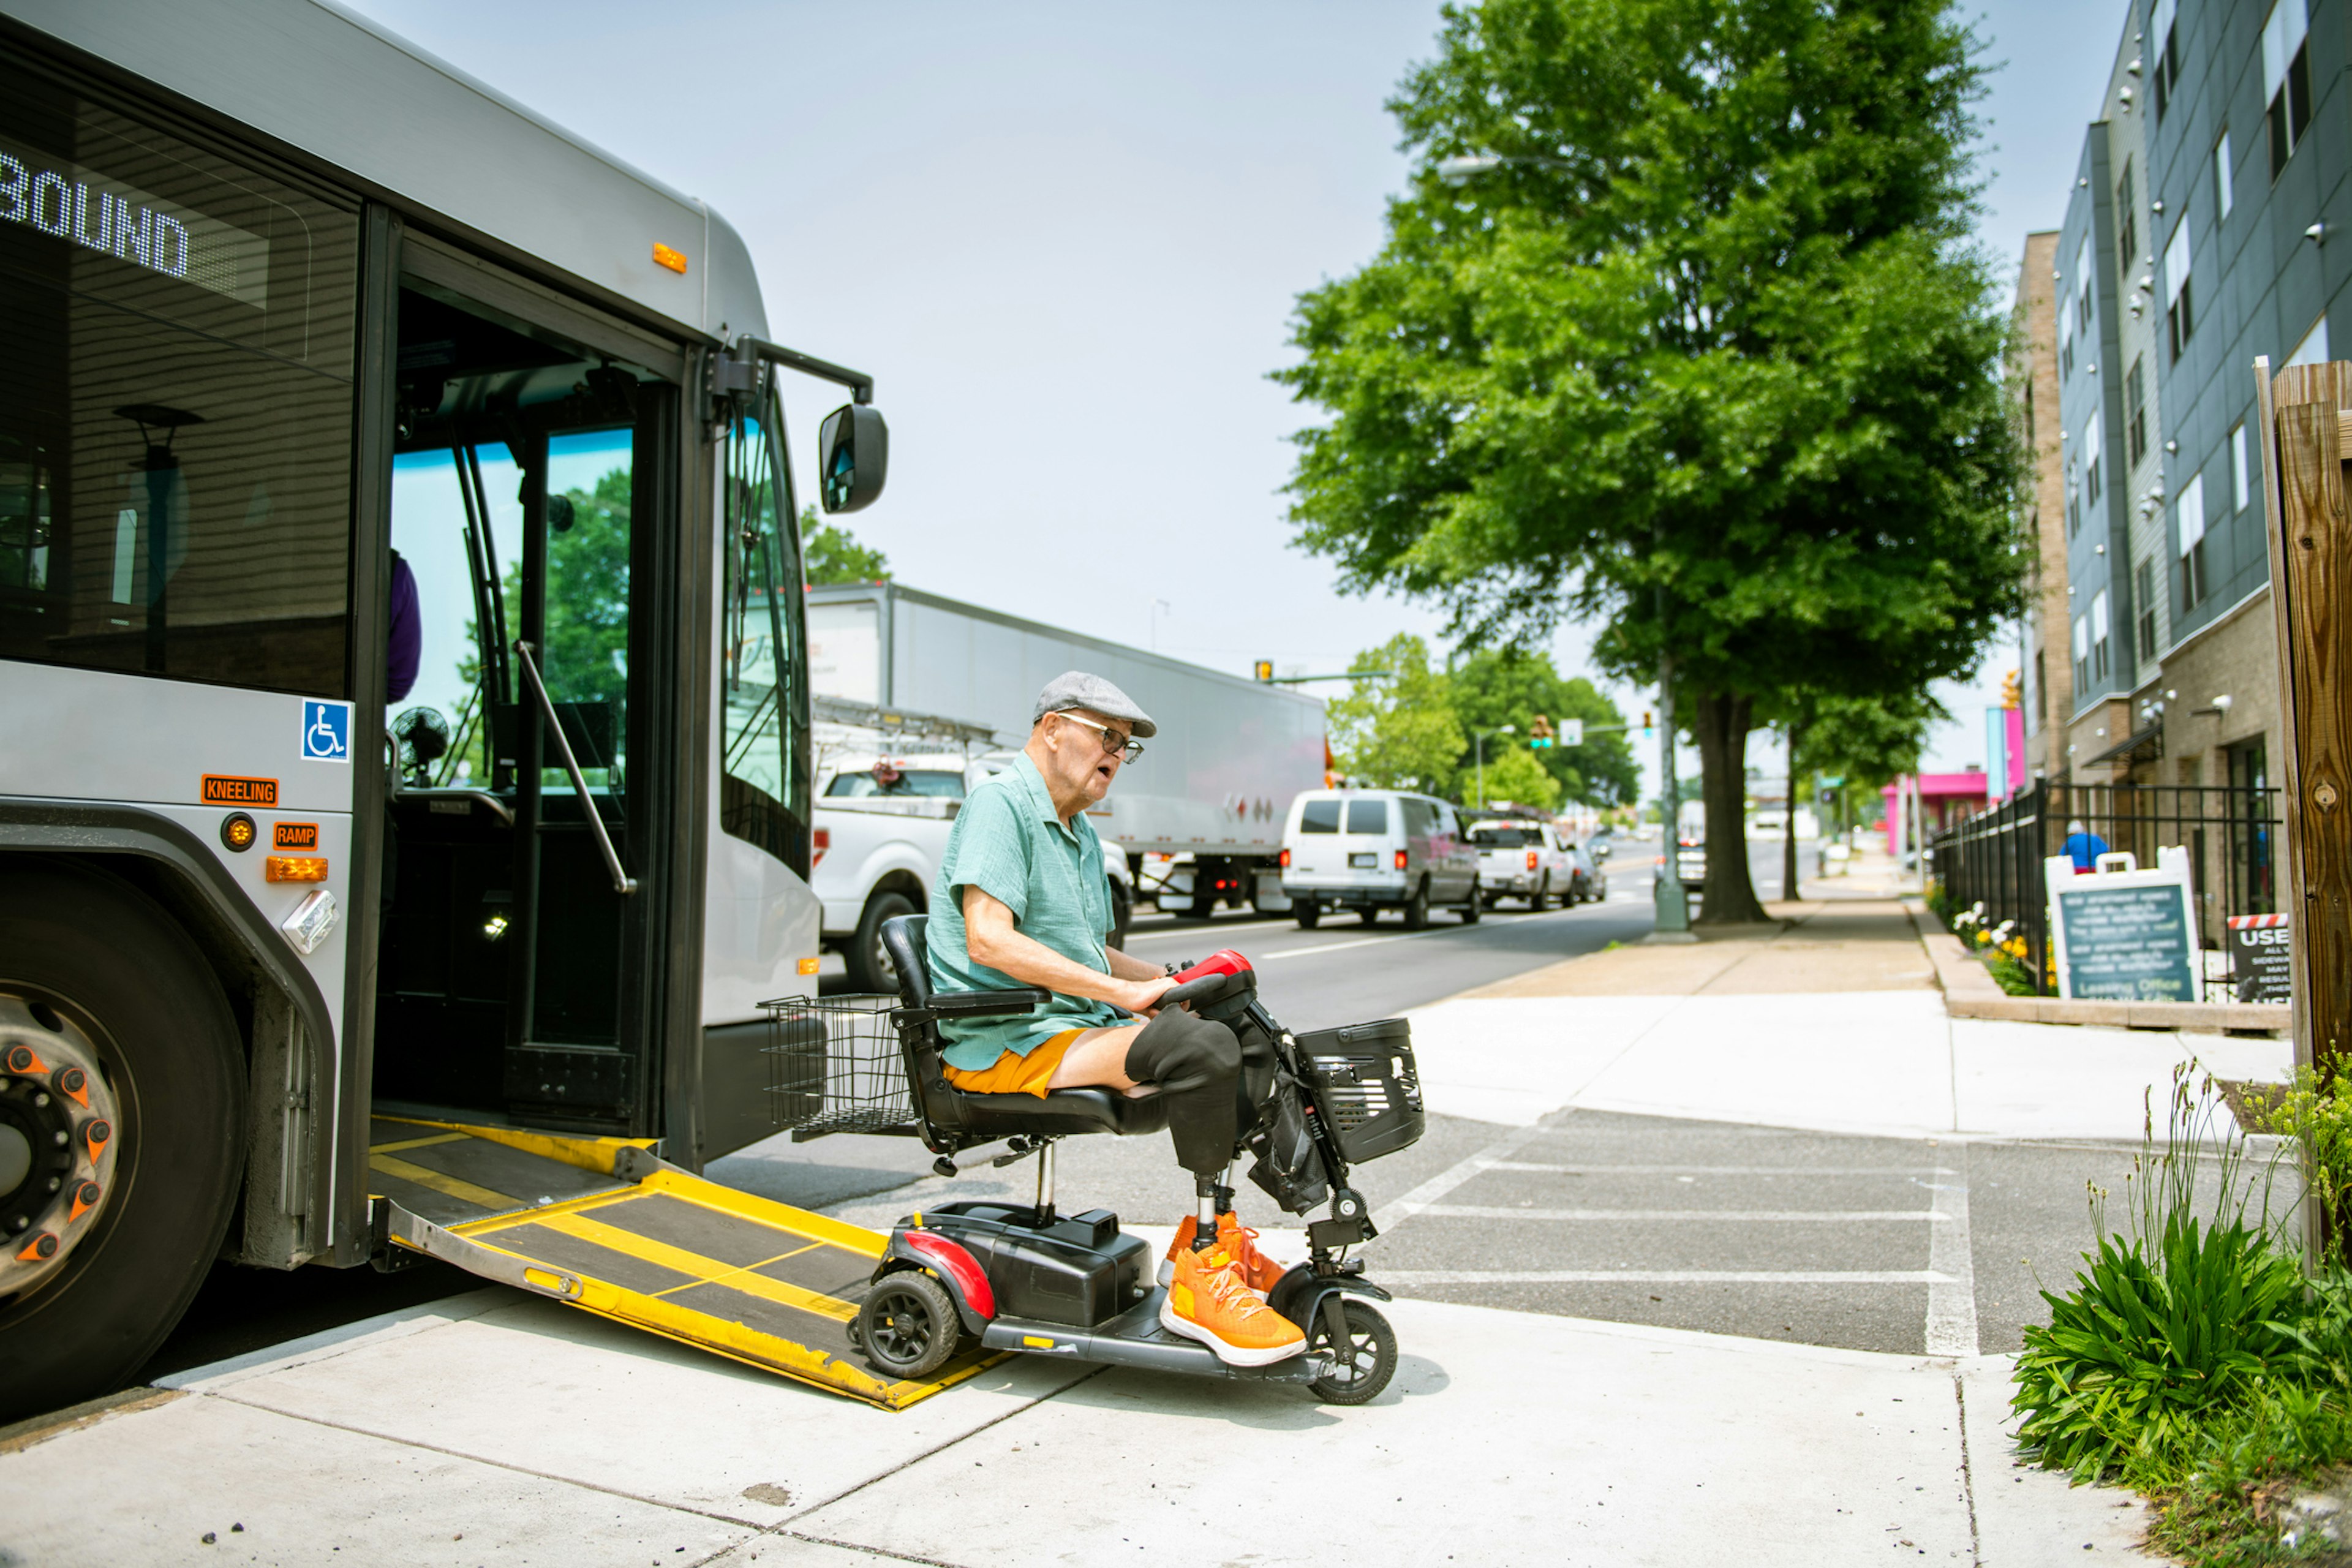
{"x":1674,"y":909}
{"x":1478,"y":743}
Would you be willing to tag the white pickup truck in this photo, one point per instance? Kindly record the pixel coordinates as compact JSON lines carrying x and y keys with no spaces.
{"x":882,"y":827}
{"x":1521,"y":858}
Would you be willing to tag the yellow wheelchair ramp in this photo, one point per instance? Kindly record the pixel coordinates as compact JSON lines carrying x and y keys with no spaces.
{"x":603,"y":1225}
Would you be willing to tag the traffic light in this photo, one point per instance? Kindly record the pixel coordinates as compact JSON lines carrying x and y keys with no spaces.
{"x":1647,"y":725}
{"x":1540,"y":733}
{"x":2010,"y":697}
{"x":1265,"y":671}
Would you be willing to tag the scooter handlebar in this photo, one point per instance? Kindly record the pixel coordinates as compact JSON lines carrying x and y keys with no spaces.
{"x":1208,"y":988}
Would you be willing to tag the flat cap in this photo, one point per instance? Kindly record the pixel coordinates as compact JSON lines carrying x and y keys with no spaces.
{"x":1077,"y":689}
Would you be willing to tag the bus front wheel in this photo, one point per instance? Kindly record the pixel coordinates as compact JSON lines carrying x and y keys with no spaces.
{"x":92,"y":972}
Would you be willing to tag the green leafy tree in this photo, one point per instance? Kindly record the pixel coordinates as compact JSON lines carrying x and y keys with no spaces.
{"x":1398,"y":733}
{"x":1513,"y":773}
{"x":1497,"y":687}
{"x":833,"y":555}
{"x":1707,"y":361}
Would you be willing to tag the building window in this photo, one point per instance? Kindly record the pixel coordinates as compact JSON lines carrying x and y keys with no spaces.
{"x":2041,"y":688}
{"x":2136,"y":413}
{"x":2073,"y":501}
{"x":2093,"y":443}
{"x":2144,"y":593}
{"x":2065,"y":339}
{"x":2286,"y":80}
{"x":2127,"y":221}
{"x":2238,"y":478}
{"x":2099,"y":634}
{"x":2082,"y":657}
{"x":2191,"y":525}
{"x":2223,"y":196}
{"x":2167,"y":75}
{"x":2178,"y":319}
{"x":2312,"y":350}
{"x":2083,"y":286}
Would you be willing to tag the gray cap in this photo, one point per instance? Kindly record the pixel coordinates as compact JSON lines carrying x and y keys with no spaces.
{"x":1077,"y":689}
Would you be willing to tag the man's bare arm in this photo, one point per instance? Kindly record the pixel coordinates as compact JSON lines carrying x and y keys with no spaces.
{"x":991,"y":938}
{"x":1129,"y":967}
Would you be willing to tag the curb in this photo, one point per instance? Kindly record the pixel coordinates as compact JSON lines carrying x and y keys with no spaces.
{"x":1970,"y":992}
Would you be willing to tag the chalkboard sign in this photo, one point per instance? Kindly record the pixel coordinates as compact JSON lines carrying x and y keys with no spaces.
{"x":2123,"y":934}
{"x":2261,"y":957}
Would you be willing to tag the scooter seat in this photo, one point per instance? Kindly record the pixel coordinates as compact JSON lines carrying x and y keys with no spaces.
{"x":970,"y":1119}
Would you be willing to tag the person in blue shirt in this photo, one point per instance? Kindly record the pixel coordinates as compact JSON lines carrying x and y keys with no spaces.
{"x":2083,"y":847}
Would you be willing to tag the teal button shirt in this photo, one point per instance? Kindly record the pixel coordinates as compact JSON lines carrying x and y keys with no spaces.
{"x":1008,"y":842}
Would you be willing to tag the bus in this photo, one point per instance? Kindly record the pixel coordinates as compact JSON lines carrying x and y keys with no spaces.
{"x":402,"y":670}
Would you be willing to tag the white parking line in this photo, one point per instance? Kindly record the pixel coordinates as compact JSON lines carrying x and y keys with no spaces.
{"x":1761,"y":1217}
{"x":1211,"y":929}
{"x":1663,"y":1277}
{"x":1952,"y":1302}
{"x":1905,"y":1172}
{"x":1401,"y":936}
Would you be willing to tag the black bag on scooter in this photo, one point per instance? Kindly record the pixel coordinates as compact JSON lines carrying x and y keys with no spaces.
{"x":1288,"y":1166}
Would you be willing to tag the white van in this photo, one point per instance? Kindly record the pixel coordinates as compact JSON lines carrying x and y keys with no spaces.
{"x":1374,"y":849}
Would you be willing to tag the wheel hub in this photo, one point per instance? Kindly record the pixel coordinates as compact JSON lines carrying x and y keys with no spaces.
{"x":58,"y":1126}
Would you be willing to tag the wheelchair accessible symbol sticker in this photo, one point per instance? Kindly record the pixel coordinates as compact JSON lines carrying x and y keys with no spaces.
{"x":326,"y":732}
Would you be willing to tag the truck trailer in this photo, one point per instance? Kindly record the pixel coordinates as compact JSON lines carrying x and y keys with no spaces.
{"x":1199,"y":815}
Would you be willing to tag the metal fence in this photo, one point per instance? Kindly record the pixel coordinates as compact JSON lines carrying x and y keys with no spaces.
{"x":2231,"y":834}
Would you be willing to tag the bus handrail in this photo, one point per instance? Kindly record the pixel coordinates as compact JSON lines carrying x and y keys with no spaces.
{"x":623,"y":883}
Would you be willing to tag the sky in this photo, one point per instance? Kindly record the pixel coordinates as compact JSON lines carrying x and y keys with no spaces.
{"x":1067,"y":240}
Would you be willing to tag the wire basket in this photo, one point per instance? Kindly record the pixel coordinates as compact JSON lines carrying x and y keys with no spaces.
{"x":833,"y":1065}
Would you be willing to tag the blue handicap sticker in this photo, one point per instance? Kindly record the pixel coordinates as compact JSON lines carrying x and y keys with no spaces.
{"x":326,"y":732}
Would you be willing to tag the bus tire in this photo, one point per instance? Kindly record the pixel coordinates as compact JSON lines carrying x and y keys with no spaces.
{"x":870,"y":969}
{"x":107,"y":959}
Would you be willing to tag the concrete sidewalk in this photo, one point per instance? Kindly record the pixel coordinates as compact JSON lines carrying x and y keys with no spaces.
{"x":1834,"y":1025}
{"x":497,"y":1428}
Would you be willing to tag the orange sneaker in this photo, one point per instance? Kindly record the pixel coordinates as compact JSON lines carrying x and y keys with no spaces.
{"x":1208,"y":1301}
{"x":1259,"y":1272}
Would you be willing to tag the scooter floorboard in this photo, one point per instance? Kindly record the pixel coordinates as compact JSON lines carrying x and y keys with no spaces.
{"x":1137,"y":1338}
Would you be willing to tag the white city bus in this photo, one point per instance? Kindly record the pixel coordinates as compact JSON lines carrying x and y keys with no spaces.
{"x":326,"y":370}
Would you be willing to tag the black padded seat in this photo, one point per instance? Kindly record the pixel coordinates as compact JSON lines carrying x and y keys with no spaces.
{"x":979,"y":1118}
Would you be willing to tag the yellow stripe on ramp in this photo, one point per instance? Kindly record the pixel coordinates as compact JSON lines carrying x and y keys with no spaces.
{"x":452,"y":1186}
{"x":708,"y":1269}
{"x":415,"y":1144}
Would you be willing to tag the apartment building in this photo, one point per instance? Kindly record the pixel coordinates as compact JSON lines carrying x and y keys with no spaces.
{"x":2196,"y":238}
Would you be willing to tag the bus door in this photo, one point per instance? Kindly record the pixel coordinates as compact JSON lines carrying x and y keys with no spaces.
{"x":516,"y":964}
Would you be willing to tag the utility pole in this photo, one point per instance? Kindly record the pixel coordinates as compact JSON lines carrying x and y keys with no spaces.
{"x":2311,"y":582}
{"x":1673,"y":910}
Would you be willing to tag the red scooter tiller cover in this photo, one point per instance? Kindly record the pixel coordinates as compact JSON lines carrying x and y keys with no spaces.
{"x":1225,"y":960}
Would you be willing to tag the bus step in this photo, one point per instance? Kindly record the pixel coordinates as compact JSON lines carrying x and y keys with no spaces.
{"x":605,"y":1224}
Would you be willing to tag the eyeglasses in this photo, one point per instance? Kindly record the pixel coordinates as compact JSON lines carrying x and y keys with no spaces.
{"x":1114,"y":744}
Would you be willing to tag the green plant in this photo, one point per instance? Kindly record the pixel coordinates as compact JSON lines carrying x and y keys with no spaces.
{"x":2315,"y":1110}
{"x":2011,"y":971}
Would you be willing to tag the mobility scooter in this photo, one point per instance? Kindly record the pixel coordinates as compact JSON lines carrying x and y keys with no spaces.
{"x":1034,"y":1279}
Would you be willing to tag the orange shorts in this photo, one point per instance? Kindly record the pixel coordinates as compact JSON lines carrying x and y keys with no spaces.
{"x":1012,"y":1074}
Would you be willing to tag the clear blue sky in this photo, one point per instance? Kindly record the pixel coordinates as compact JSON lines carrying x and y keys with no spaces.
{"x":1065,"y":239}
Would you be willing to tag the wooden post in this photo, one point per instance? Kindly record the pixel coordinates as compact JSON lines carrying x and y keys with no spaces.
{"x":2311,"y":598}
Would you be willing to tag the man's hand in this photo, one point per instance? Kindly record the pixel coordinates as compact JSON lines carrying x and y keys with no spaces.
{"x":1143,"y":995}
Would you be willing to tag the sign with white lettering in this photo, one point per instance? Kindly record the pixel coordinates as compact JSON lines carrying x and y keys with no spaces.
{"x":2122,"y":934}
{"x":97,"y":212}
{"x":2262,"y":955}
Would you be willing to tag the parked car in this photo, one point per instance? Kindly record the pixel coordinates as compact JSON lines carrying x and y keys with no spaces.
{"x":1370,"y":850}
{"x":1590,"y":883}
{"x":1523,"y":859}
{"x":1690,"y":864}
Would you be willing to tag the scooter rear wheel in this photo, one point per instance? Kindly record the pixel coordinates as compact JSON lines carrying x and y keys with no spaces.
{"x":908,"y":1326}
{"x":1362,"y":1367}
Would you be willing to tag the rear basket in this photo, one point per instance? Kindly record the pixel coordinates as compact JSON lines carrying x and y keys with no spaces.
{"x":833,"y":1065}
{"x":1364,"y":1081}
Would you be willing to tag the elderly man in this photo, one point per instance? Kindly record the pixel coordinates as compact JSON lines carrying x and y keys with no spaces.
{"x":1021,"y":900}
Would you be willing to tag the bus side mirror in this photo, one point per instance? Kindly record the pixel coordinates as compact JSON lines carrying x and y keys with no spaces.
{"x":853,"y":456}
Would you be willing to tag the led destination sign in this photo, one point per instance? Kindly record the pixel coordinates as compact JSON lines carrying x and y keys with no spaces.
{"x":113,"y":218}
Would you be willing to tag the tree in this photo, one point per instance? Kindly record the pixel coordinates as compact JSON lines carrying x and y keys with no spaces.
{"x":1398,"y":733}
{"x":1710,"y":363}
{"x":1515,"y":774}
{"x":831,"y":553}
{"x":1497,"y":687}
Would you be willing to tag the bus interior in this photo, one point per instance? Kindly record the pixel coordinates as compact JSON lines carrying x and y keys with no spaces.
{"x":529,"y":480}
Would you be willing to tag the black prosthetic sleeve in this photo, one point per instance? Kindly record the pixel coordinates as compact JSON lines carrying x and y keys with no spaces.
{"x":1195,"y":1064}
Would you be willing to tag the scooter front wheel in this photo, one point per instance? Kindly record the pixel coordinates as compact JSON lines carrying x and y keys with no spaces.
{"x":908,"y":1326}
{"x":1361,"y":1368}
